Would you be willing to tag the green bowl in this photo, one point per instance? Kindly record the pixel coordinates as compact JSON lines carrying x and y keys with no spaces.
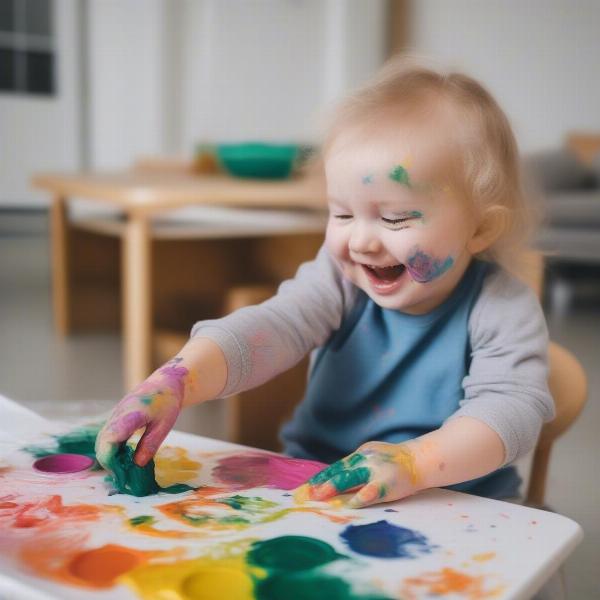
{"x":258,"y":160}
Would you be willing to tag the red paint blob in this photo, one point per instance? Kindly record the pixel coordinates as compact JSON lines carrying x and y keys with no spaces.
{"x":63,"y":463}
{"x":261,"y":469}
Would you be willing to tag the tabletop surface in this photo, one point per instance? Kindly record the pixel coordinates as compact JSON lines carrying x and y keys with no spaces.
{"x":240,"y":533}
{"x":146,"y":191}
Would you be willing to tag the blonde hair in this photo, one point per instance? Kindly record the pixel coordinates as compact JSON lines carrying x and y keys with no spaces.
{"x":485,"y":158}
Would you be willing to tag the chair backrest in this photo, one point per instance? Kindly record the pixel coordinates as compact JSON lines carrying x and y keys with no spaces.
{"x":568,"y":385}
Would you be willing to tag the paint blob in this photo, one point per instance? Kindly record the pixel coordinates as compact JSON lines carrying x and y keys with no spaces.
{"x":217,"y":583}
{"x":384,"y":540}
{"x":78,"y":441}
{"x":63,"y":463}
{"x":260,"y":469}
{"x":101,"y":566}
{"x":130,"y":478}
{"x":292,"y":553}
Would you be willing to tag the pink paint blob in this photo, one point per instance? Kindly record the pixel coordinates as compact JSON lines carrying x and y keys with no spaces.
{"x":260,"y":469}
{"x":63,"y":463}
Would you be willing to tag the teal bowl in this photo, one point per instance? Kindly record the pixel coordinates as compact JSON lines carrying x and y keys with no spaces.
{"x":258,"y":160}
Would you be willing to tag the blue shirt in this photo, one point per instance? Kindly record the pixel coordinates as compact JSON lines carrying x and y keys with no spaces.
{"x":388,"y":376}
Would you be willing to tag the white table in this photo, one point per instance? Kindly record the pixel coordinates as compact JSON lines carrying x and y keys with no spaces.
{"x":459,"y":541}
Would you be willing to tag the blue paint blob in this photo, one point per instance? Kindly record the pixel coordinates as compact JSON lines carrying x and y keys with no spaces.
{"x":384,"y":540}
{"x":390,"y":510}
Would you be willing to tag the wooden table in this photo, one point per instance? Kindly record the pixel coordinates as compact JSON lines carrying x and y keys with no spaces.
{"x":142,"y":197}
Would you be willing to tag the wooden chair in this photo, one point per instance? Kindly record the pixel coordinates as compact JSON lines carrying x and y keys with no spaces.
{"x":254,"y":417}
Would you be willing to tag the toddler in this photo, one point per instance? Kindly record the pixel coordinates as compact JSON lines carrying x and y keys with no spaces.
{"x":428,"y":355}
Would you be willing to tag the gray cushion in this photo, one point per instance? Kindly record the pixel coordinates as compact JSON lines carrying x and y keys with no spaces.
{"x":554,"y":170}
{"x":580,"y":208}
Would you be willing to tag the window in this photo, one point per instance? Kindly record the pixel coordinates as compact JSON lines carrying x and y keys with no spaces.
{"x":27,"y":56}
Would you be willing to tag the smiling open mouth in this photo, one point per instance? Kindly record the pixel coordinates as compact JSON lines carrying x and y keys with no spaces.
{"x":384,"y":275}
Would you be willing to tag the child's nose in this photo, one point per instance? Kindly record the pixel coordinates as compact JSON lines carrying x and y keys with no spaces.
{"x":363,"y":239}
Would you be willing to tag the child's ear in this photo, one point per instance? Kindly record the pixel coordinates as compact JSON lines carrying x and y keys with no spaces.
{"x":493,"y":224}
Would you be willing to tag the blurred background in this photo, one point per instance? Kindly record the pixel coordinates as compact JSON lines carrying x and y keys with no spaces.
{"x":151,"y":89}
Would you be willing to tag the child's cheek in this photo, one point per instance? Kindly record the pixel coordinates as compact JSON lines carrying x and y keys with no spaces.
{"x":336,"y":241}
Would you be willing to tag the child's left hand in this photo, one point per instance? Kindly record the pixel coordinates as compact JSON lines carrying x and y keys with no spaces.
{"x":377,"y":471}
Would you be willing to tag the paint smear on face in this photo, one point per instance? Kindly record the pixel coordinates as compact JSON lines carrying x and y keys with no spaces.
{"x":400,"y":175}
{"x":254,"y":469}
{"x":173,"y":465}
{"x":424,"y":268}
{"x":384,"y":540}
{"x":367,"y":179}
{"x":450,"y":581}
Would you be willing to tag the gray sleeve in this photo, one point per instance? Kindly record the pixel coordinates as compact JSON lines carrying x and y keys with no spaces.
{"x":261,"y":341}
{"x":507,"y":383}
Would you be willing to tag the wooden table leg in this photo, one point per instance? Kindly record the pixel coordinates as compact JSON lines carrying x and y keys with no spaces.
{"x":59,"y":240}
{"x":137,"y":300}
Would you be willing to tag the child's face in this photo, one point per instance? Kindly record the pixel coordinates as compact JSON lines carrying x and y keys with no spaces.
{"x":396,"y":234}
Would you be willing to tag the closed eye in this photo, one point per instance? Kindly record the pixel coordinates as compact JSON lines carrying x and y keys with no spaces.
{"x":396,"y":221}
{"x":342,"y":217}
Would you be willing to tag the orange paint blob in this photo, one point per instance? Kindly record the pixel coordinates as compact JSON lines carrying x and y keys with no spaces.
{"x":450,"y":581}
{"x":101,"y":566}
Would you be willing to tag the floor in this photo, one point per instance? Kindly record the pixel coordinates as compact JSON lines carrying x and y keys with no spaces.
{"x":81,"y":375}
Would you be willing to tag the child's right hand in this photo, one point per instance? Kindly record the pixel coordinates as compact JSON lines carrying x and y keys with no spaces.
{"x":154,"y":405}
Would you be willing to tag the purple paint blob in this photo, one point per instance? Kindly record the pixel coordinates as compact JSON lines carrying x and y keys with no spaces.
{"x":260,"y":469}
{"x":384,"y":540}
{"x":63,"y":463}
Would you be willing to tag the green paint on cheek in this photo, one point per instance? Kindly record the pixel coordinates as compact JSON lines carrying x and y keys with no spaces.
{"x":367,"y":179}
{"x":400,"y":175}
{"x":142,"y":520}
{"x":129,"y":478}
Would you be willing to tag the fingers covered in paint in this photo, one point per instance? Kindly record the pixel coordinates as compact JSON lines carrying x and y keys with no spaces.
{"x":377,"y":471}
{"x":153,"y":405}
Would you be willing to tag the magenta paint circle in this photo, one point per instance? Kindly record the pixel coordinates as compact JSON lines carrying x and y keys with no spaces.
{"x":63,"y":463}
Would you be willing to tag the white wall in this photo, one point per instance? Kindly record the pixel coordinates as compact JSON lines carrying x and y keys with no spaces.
{"x":43,"y":133}
{"x":125,"y":71}
{"x":167,"y":74}
{"x":538,"y":57}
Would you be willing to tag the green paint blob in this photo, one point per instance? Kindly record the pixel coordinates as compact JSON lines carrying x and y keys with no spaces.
{"x":308,"y":586}
{"x":400,"y":175}
{"x":142,"y":520}
{"x":254,"y":503}
{"x":147,"y":400}
{"x":291,"y":553}
{"x":129,"y":478}
{"x":78,"y":441}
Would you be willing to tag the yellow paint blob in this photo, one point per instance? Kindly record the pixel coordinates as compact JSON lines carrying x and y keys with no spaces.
{"x":484,"y":557}
{"x":302,"y":494}
{"x":173,"y":465}
{"x":196,"y":579}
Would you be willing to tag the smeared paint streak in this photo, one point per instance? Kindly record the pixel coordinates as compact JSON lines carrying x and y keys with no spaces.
{"x":400,"y":175}
{"x":47,"y":511}
{"x":424,"y":268}
{"x":450,"y":581}
{"x":405,"y":459}
{"x":173,"y":465}
{"x":484,"y":557}
{"x":129,"y":478}
{"x":384,"y":540}
{"x":367,"y":179}
{"x":261,"y":469}
{"x":78,"y":441}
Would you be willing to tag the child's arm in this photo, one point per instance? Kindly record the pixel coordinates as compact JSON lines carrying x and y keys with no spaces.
{"x":463,"y":449}
{"x":230,"y":355}
{"x":506,"y":401}
{"x":196,"y":374}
